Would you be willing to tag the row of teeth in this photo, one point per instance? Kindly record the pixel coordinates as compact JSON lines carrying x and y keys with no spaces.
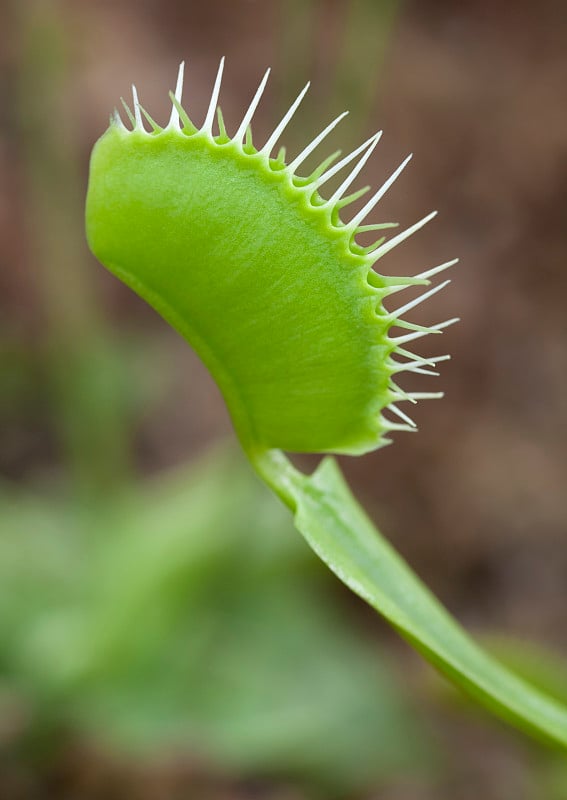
{"x":414,"y":364}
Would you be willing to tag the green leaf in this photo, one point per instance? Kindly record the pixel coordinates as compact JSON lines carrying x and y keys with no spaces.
{"x":341,"y":534}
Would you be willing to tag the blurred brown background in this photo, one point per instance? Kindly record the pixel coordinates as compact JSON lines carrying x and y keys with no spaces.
{"x":476,"y":501}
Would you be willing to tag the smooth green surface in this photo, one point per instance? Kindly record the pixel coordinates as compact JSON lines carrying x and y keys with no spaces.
{"x":267,"y":290}
{"x":341,"y":534}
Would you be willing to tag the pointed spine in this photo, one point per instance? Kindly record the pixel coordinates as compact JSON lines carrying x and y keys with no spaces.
{"x":128,"y":114}
{"x":174,"y":123}
{"x":409,"y":337}
{"x":209,"y":119}
{"x":429,"y":273}
{"x":306,"y":152}
{"x":418,"y":300}
{"x":246,"y":120}
{"x":354,"y":172}
{"x":346,"y":160}
{"x":266,"y":150}
{"x":391,"y":243}
{"x":401,"y":414}
{"x":355,"y":222}
{"x":139,"y":124}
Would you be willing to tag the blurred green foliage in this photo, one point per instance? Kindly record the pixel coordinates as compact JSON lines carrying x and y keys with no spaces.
{"x":188,"y":614}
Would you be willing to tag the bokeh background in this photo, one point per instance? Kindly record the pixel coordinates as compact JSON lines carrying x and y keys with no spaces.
{"x":164,"y":633}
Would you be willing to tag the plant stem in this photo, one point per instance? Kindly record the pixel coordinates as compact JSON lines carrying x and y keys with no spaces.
{"x":341,"y":534}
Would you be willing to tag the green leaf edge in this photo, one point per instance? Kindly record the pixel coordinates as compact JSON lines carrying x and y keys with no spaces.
{"x":341,"y":534}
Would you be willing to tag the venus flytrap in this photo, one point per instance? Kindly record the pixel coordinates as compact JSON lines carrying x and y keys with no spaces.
{"x":265,"y":278}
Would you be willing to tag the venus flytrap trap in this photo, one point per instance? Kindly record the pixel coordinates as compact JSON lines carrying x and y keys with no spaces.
{"x":285,"y":307}
{"x":264,"y":276}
